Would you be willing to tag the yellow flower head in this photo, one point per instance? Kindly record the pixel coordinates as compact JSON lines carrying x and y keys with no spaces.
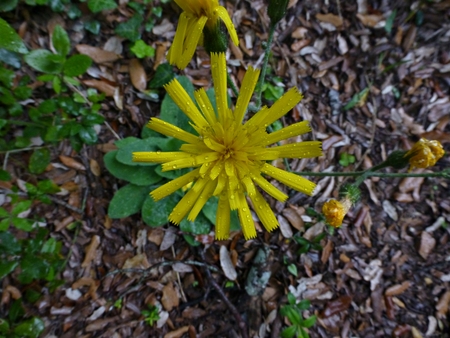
{"x":335,"y":211}
{"x":229,"y":156}
{"x":196,"y":15}
{"x":424,"y":153}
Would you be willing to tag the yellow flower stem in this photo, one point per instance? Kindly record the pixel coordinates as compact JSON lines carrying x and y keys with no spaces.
{"x":262,"y":78}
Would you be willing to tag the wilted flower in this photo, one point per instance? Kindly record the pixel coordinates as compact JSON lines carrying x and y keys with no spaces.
{"x":229,"y":156}
{"x":197,"y":14}
{"x":424,"y":154}
{"x":335,"y":211}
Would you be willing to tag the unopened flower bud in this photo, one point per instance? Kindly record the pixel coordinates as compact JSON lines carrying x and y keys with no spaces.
{"x":277,"y":10}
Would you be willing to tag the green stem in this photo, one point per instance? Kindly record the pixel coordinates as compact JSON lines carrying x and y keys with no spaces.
{"x":232,"y":86}
{"x":444,"y":174}
{"x":264,"y":66}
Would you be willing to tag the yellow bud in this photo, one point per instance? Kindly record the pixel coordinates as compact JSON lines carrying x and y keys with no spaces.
{"x":424,"y":154}
{"x":335,"y":211}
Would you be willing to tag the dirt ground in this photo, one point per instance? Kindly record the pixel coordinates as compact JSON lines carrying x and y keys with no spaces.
{"x":384,"y":273}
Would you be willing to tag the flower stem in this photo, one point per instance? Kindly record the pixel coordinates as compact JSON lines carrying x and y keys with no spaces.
{"x":264,"y":66}
{"x":444,"y":174}
{"x":232,"y":85}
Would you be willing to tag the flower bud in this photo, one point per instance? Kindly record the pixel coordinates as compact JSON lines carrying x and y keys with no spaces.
{"x":277,"y":10}
{"x":215,"y":39}
{"x":424,"y":154}
{"x":350,"y":191}
{"x":335,"y":211}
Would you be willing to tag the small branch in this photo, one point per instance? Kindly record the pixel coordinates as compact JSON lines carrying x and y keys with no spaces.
{"x":234,"y":311}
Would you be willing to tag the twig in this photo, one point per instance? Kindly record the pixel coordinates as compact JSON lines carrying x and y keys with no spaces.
{"x":232,"y":85}
{"x":444,"y":174}
{"x":234,"y":311}
{"x":179,"y":279}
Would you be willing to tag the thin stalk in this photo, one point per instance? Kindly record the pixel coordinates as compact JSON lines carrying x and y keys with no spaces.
{"x":444,"y":174}
{"x":264,"y":66}
{"x":232,"y":85}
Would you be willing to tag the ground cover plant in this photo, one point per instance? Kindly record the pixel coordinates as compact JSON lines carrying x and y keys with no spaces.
{"x":197,"y":168}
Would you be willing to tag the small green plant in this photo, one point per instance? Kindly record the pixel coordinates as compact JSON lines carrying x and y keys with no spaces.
{"x":143,"y":178}
{"x":21,"y":328}
{"x":346,"y":159}
{"x":306,"y":245}
{"x":274,"y":89}
{"x":293,"y":311}
{"x":151,"y":315}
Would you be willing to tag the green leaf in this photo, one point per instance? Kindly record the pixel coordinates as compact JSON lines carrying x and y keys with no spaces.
{"x":292,"y":268}
{"x":288,"y":332}
{"x":125,"y":153}
{"x":77,"y":65}
{"x":126,"y":141}
{"x":291,"y":299}
{"x":6,"y":77}
{"x":20,"y":207}
{"x":156,"y":214}
{"x":390,"y":22}
{"x":8,"y":5}
{"x":51,"y":246}
{"x":60,"y":40}
{"x":4,"y":175}
{"x":4,"y":224}
{"x":130,"y":29}
{"x":163,"y":75}
{"x":309,"y":322}
{"x":56,"y":83}
{"x":4,"y":326}
{"x":128,"y":200}
{"x":48,"y":187}
{"x":139,"y":175}
{"x":10,"y":58}
{"x":9,"y":244}
{"x":304,"y":305}
{"x":92,"y":26}
{"x":7,"y":267}
{"x":39,"y":160}
{"x":142,"y":50}
{"x":358,"y":99}
{"x":346,"y":159}
{"x":101,"y":5}
{"x":10,"y":40}
{"x":30,"y":328}
{"x":22,"y":223}
{"x":44,"y":61}
{"x":200,"y":226}
{"x":88,"y":135}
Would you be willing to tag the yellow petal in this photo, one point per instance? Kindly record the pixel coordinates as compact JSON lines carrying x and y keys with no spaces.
{"x":185,"y":103}
{"x":219,"y":74}
{"x":194,"y":33}
{"x":168,"y":129}
{"x":245,"y":217}
{"x":287,"y":132}
{"x":172,"y":186}
{"x":268,"y":188}
{"x":306,"y":149}
{"x":223,"y":218}
{"x":266,"y":117}
{"x":205,"y":106}
{"x":188,"y":162}
{"x":201,"y":200}
{"x":175,"y":51}
{"x":187,"y":202}
{"x":264,"y":212}
{"x":223,"y":14}
{"x":158,"y":156}
{"x":291,"y":180}
{"x":245,"y":95}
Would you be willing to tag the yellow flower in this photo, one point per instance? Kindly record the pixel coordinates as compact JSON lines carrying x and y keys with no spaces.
{"x":230,"y":156}
{"x":424,"y":154}
{"x":196,"y":15}
{"x":335,"y":211}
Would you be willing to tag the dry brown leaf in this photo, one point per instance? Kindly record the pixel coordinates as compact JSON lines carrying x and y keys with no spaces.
{"x":370,"y":20}
{"x":397,"y":289}
{"x":137,"y":262}
{"x":177,"y":333}
{"x":102,"y":86}
{"x":90,"y":251}
{"x":330,"y":18}
{"x":98,"y":55}
{"x":427,"y":243}
{"x":443,"y":305}
{"x":95,"y":167}
{"x":227,"y":264}
{"x":138,"y":75}
{"x":71,"y":163}
{"x":155,"y":235}
{"x":15,"y":292}
{"x":285,"y":228}
{"x":294,"y":218}
{"x":326,"y":252}
{"x":169,"y":298}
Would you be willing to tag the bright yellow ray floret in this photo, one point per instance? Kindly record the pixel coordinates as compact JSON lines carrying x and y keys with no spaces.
{"x":424,"y":154}
{"x":228,"y":156}
{"x":195,"y":16}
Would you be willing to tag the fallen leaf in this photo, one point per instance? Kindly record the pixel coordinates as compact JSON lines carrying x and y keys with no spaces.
{"x":138,"y":75}
{"x":95,"y":167}
{"x":330,"y":18}
{"x":169,"y":298}
{"x":226,"y":264}
{"x":442,"y":305}
{"x":71,"y":163}
{"x":90,"y":251}
{"x":427,"y":243}
{"x":370,"y":20}
{"x":102,"y":86}
{"x":98,"y":55}
{"x":177,"y":333}
{"x":397,"y":289}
